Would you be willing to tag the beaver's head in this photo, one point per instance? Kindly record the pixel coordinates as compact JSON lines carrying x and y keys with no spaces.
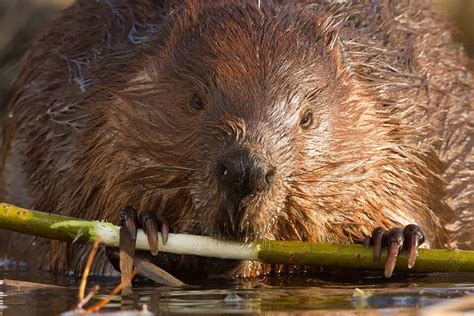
{"x":246,"y":112}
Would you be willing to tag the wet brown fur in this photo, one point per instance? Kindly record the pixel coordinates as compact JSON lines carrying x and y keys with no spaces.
{"x":100,"y":119}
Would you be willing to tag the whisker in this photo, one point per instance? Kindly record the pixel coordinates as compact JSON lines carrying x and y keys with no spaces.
{"x":156,"y":190}
{"x":310,"y":181}
{"x":309,"y":198}
{"x":147,"y":177}
{"x":158,"y":166}
{"x":325,"y":165}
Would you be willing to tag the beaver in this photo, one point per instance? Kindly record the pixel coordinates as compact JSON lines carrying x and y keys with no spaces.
{"x":310,"y":120}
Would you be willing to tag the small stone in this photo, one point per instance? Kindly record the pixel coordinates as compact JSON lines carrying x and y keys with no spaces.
{"x":233,"y":299}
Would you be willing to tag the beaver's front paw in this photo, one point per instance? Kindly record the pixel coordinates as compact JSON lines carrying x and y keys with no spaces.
{"x":409,"y":238}
{"x":149,"y":222}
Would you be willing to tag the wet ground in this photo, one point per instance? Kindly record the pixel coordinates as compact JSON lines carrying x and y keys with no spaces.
{"x":334,"y":294}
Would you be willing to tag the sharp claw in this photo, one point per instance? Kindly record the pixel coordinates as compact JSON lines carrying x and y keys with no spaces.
{"x":165,"y":229}
{"x":128,"y":219}
{"x":377,"y":241}
{"x":414,"y":237}
{"x":148,"y":222}
{"x":412,"y":250}
{"x":393,"y":249}
{"x":392,"y":256}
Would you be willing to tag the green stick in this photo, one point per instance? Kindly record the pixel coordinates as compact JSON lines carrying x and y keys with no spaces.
{"x":284,"y":252}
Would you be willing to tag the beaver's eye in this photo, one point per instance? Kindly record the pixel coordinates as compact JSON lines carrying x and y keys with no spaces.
{"x":196,"y":102}
{"x":306,"y":119}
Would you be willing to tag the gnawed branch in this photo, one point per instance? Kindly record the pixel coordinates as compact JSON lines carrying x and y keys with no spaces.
{"x":351,"y":256}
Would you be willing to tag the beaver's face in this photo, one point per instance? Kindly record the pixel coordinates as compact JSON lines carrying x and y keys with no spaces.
{"x":256,"y":99}
{"x":246,"y":102}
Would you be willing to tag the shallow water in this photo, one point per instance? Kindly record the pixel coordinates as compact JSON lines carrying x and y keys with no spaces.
{"x":334,"y":294}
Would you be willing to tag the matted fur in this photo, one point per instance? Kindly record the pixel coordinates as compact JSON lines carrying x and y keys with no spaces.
{"x":100,"y":118}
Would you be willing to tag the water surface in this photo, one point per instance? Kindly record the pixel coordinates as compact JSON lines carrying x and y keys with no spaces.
{"x":336,"y":293}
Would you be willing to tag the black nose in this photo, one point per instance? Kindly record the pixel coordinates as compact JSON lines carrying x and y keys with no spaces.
{"x":241,"y":173}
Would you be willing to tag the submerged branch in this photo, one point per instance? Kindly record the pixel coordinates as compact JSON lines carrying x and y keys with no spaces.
{"x":350,"y":256}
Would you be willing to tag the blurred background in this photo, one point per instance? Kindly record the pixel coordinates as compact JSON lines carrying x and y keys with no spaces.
{"x":20,"y":19}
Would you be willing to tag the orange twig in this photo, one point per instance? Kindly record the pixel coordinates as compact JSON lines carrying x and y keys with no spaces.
{"x":88,"y":297}
{"x":117,"y":289}
{"x":90,"y":259}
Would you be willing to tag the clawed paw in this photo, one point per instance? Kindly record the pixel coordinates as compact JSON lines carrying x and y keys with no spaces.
{"x":149,"y":222}
{"x":409,"y":238}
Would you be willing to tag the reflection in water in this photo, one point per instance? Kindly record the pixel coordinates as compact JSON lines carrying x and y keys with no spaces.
{"x":280,"y":294}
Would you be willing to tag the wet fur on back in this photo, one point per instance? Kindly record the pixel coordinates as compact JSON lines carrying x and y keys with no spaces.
{"x":100,"y":118}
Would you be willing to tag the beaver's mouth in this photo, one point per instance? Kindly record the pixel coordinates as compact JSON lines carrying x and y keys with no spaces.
{"x":230,"y":212}
{"x":248,"y":219}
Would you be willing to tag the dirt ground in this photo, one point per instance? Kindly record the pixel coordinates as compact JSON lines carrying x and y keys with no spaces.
{"x":20,"y":19}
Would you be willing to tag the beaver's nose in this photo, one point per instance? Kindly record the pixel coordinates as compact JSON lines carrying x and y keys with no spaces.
{"x":241,"y":173}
